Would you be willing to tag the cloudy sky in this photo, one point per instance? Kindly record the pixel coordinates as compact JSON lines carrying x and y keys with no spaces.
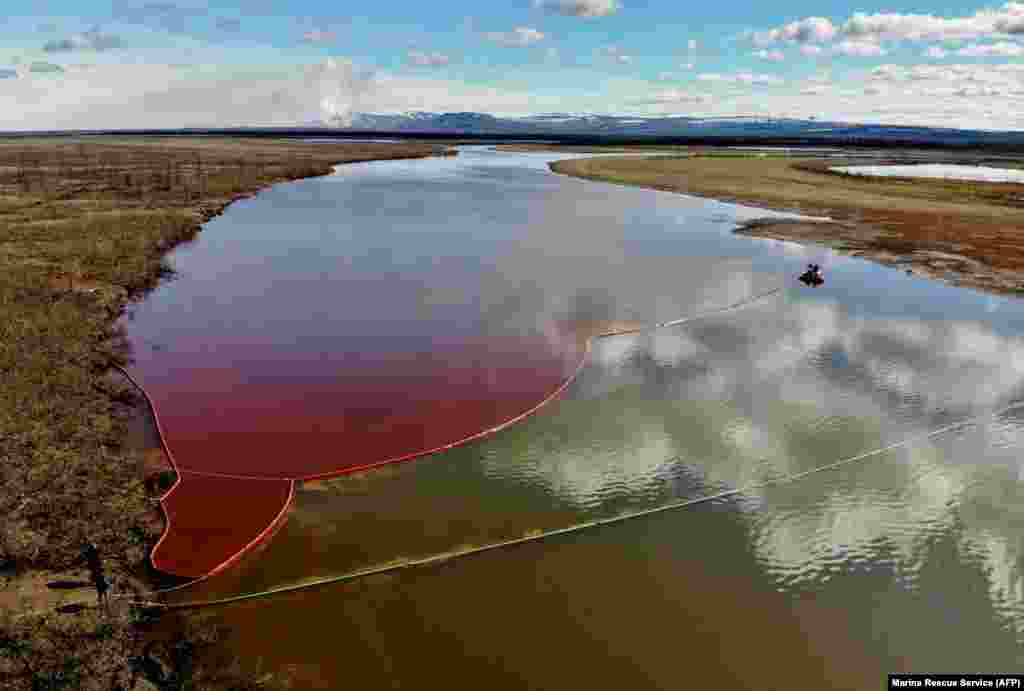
{"x":163,"y":63}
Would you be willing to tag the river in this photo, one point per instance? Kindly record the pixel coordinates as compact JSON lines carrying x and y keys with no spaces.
{"x":441,"y":289}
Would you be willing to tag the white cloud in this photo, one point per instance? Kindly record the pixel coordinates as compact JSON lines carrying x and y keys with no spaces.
{"x":969,"y":95}
{"x":980,"y":91}
{"x":809,"y":30}
{"x":518,"y":37}
{"x":858,"y":49}
{"x":740,"y":78}
{"x":770,"y":55}
{"x":676,"y":96}
{"x":691,"y":54}
{"x":435,"y":59}
{"x":1010,"y":25}
{"x":318,"y":36}
{"x":893,"y":26}
{"x":1003,"y":49}
{"x":749,"y":78}
{"x":617,"y":54}
{"x":887,"y":72}
{"x":919,"y":27}
{"x":397,"y":94}
{"x":926,"y":73}
{"x":93,"y":39}
{"x":579,"y":8}
{"x":953,"y":76}
{"x":162,"y":96}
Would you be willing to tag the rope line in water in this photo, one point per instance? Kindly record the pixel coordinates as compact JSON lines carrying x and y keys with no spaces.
{"x":446,"y":556}
{"x":278,"y":520}
{"x":458,"y":554}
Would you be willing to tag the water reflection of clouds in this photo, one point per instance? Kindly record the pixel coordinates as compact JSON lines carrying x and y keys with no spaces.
{"x":587,"y":480}
{"x":950,"y":364}
{"x":956,"y":365}
{"x":668,"y":349}
{"x":962,"y":366}
{"x":785,"y":376}
{"x":777,"y":388}
{"x":801,"y":535}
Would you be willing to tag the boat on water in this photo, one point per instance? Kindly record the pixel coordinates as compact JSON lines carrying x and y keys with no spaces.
{"x":813,"y":276}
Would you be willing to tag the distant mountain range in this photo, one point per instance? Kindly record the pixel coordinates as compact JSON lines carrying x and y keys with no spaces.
{"x":564,"y":124}
{"x":569,"y":128}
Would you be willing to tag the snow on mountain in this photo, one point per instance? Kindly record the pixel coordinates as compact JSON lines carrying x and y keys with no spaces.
{"x":472,"y":123}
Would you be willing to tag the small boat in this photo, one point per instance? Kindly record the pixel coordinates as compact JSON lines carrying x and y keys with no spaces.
{"x":812,"y":276}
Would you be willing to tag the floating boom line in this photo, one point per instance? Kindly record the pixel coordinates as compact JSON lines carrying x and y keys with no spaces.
{"x":278,"y":520}
{"x":576,"y":528}
{"x":393,"y":567}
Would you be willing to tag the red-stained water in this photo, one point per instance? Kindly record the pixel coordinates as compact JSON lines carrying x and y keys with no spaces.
{"x":305,"y":419}
{"x":306,"y":348}
{"x":198,"y":541}
{"x":241,"y":433}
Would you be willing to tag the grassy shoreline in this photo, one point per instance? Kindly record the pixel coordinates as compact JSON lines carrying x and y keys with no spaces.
{"x":84,"y":226}
{"x":967,"y":233}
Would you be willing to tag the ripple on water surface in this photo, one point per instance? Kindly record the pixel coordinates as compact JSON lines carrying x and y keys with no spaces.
{"x":886,"y":564}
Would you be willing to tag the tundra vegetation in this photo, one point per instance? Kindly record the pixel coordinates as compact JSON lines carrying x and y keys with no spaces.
{"x":84,"y":226}
{"x":965,"y":232}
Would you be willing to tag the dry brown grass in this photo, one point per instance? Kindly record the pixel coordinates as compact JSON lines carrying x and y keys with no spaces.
{"x":970,"y":233}
{"x":582,"y":149}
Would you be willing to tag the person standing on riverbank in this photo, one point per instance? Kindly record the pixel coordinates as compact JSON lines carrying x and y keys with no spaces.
{"x":99,"y":579}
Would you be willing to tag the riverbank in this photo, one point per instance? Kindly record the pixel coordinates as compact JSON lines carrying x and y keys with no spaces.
{"x":970,"y":234}
{"x":84,"y":226}
{"x":528,"y":148}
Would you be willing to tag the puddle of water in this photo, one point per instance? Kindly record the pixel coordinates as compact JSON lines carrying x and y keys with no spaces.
{"x":943,"y":171}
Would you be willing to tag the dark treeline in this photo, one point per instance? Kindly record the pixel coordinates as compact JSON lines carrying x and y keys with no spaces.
{"x":1005,"y":142}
